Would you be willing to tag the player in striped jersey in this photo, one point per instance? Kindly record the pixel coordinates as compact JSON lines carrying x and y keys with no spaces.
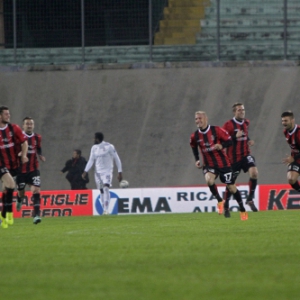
{"x":29,"y":173}
{"x":12,"y":142}
{"x":239,"y":154}
{"x":292,"y":136}
{"x":211,"y":141}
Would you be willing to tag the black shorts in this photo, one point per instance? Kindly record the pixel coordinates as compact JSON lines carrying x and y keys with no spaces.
{"x":31,"y":178}
{"x":226,"y":174}
{"x":245,"y":164}
{"x":4,"y":170}
{"x":294,"y":167}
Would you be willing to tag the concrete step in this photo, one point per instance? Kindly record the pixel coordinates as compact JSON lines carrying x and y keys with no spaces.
{"x":182,"y":30}
{"x":184,"y":16}
{"x":249,"y":36}
{"x":175,"y":40}
{"x":186,"y":10}
{"x":175,"y":34}
{"x":255,"y":11}
{"x":231,"y":51}
{"x":248,"y":43}
{"x":256,"y":2}
{"x":245,"y":29}
{"x":188,"y":3}
{"x":247,"y":22}
{"x":179,"y":23}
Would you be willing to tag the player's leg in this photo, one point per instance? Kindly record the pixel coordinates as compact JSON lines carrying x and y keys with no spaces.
{"x":106,"y":199}
{"x":33,"y":179}
{"x":100,"y":186}
{"x":237,"y":196}
{"x":248,"y":165}
{"x":253,"y":174}
{"x":210,"y":180}
{"x":106,"y":179}
{"x":235,"y":173}
{"x":36,"y":195}
{"x":227,"y":197}
{"x":3,"y":211}
{"x":9,"y":186}
{"x":20,"y":180}
{"x":292,"y":177}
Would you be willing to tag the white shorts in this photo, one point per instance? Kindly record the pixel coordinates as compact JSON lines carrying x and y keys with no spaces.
{"x":103,"y":178}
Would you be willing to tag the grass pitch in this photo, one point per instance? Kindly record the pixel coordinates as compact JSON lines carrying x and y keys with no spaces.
{"x":161,"y":256}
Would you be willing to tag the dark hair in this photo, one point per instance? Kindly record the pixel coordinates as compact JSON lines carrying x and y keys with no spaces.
{"x":288,"y":113}
{"x":2,"y":108}
{"x":235,"y":105}
{"x":99,"y":136}
{"x":27,"y":118}
{"x":78,"y":151}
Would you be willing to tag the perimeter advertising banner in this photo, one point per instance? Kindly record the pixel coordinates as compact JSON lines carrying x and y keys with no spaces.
{"x":277,"y":197}
{"x":165,"y":200}
{"x":154,"y":200}
{"x":58,"y":204}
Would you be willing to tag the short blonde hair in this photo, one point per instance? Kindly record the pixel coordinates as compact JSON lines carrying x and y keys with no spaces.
{"x":200,"y":112}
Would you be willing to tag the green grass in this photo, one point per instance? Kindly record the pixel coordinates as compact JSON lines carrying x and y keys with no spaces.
{"x":162,"y":256}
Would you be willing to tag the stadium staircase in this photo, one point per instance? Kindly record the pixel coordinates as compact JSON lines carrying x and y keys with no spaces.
{"x":181,"y":22}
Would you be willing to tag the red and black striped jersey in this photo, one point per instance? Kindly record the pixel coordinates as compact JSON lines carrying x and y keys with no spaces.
{"x":34,"y":149}
{"x":293,"y":139}
{"x":240,"y":147}
{"x":206,"y":142}
{"x":11,"y":138}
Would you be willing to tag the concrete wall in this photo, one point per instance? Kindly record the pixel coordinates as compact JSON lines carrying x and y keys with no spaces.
{"x":148,"y":114}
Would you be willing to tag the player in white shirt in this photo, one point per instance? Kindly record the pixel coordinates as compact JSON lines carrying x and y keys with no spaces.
{"x":103,"y":155}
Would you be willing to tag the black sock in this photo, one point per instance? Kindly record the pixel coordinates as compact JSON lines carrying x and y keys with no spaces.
{"x":214,"y":190}
{"x":36,"y":204}
{"x":19,"y":199}
{"x":252,"y":187}
{"x":4,"y":208}
{"x":238,"y":198}
{"x":227,"y":198}
{"x":296,"y":186}
{"x":9,"y":199}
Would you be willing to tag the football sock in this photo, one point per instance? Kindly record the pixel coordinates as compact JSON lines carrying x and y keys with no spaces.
{"x":106,"y":197}
{"x":214,"y":190}
{"x":36,"y":204}
{"x":296,"y":186}
{"x":102,"y":200}
{"x":4,"y":208}
{"x":19,"y":199}
{"x":238,"y":198}
{"x":227,"y":198}
{"x":9,"y":199}
{"x":102,"y":197}
{"x":252,"y":187}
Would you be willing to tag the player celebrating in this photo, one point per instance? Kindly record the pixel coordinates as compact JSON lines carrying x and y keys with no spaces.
{"x":12,"y":140}
{"x":211,"y":140}
{"x":103,"y":154}
{"x":239,"y":153}
{"x":29,"y":173}
{"x":292,"y":135}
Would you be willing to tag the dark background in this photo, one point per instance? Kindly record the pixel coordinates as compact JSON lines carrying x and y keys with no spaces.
{"x":57,"y":23}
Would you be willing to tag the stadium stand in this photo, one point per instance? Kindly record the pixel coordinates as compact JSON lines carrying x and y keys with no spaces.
{"x":249,"y":30}
{"x":252,"y":29}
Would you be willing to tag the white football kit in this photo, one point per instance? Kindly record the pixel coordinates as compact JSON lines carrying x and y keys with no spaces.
{"x":103,"y":155}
